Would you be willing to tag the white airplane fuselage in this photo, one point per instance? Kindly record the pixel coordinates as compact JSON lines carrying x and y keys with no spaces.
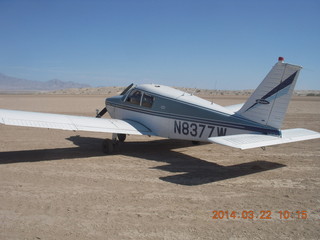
{"x":171,"y":113}
{"x":163,"y":111}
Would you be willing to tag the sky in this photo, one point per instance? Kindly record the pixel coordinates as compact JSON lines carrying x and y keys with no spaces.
{"x":212,"y":44}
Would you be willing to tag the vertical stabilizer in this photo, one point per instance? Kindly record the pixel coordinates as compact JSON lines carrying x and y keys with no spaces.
{"x":269,"y":102}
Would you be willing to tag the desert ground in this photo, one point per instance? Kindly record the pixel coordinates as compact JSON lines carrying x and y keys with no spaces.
{"x":59,"y":185}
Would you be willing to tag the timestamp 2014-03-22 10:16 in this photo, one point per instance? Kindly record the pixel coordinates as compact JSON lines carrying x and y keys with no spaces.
{"x":261,"y":215}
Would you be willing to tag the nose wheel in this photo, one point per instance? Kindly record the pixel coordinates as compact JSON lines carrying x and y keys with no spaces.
{"x":109,"y":145}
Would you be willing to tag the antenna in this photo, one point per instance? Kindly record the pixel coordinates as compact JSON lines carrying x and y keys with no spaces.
{"x":195,"y":89}
{"x":183,"y":92}
{"x":215,"y":91}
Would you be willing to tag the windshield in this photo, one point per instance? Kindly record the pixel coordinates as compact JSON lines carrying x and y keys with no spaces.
{"x":127,"y":89}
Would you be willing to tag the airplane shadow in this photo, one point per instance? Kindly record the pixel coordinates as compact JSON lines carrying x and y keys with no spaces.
{"x":88,"y":147}
{"x":190,"y":171}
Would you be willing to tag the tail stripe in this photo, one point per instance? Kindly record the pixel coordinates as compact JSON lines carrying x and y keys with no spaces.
{"x":275,"y":90}
{"x":268,"y":104}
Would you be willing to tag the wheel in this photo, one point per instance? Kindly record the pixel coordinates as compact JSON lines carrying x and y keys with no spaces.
{"x":107,"y":146}
{"x":122,"y":137}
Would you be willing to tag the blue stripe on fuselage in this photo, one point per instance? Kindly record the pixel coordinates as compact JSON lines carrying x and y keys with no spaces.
{"x":224,"y":121}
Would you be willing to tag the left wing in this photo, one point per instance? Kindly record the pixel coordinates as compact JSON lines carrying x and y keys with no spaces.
{"x":247,"y":141}
{"x":72,"y":123}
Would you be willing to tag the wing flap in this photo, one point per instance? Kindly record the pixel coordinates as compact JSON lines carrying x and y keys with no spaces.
{"x":247,"y":141}
{"x":72,"y":123}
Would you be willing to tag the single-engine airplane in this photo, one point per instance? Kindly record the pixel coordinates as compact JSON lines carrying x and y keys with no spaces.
{"x":158,"y":110}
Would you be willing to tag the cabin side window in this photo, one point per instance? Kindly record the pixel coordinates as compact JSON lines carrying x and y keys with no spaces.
{"x":135,"y":97}
{"x":147,"y":100}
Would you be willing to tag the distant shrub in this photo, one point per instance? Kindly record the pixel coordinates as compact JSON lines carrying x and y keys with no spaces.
{"x":313,"y":95}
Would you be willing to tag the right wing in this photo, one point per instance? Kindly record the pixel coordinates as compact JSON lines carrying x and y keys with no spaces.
{"x":72,"y":123}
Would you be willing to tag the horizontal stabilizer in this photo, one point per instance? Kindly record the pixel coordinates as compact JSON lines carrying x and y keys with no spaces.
{"x":72,"y":123}
{"x":247,"y":141}
{"x":235,"y":107}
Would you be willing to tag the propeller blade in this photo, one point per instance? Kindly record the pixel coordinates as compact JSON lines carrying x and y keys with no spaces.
{"x":101,"y":113}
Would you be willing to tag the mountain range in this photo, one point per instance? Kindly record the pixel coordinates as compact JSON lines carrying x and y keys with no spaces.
{"x":8,"y":83}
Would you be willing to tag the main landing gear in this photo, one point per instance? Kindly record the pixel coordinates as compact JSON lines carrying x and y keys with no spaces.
{"x":109,"y":145}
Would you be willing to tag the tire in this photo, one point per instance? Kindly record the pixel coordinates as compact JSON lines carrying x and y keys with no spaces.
{"x":122,"y":137}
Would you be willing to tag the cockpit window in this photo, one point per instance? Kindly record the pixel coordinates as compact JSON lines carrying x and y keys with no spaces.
{"x":140,"y":98}
{"x":134,"y":97}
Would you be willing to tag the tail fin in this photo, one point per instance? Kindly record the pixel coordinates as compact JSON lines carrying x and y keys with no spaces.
{"x":269,"y":102}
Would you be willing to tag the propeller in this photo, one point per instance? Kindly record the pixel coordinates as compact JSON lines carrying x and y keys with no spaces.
{"x":104,"y":110}
{"x":101,"y":113}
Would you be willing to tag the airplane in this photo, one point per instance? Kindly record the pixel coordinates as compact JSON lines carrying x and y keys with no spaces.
{"x":158,"y":110}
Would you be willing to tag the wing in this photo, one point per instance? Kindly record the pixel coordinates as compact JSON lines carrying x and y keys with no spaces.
{"x":247,"y":141}
{"x":72,"y":123}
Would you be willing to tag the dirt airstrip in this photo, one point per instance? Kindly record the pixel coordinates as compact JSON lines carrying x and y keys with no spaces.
{"x":58,"y":184}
